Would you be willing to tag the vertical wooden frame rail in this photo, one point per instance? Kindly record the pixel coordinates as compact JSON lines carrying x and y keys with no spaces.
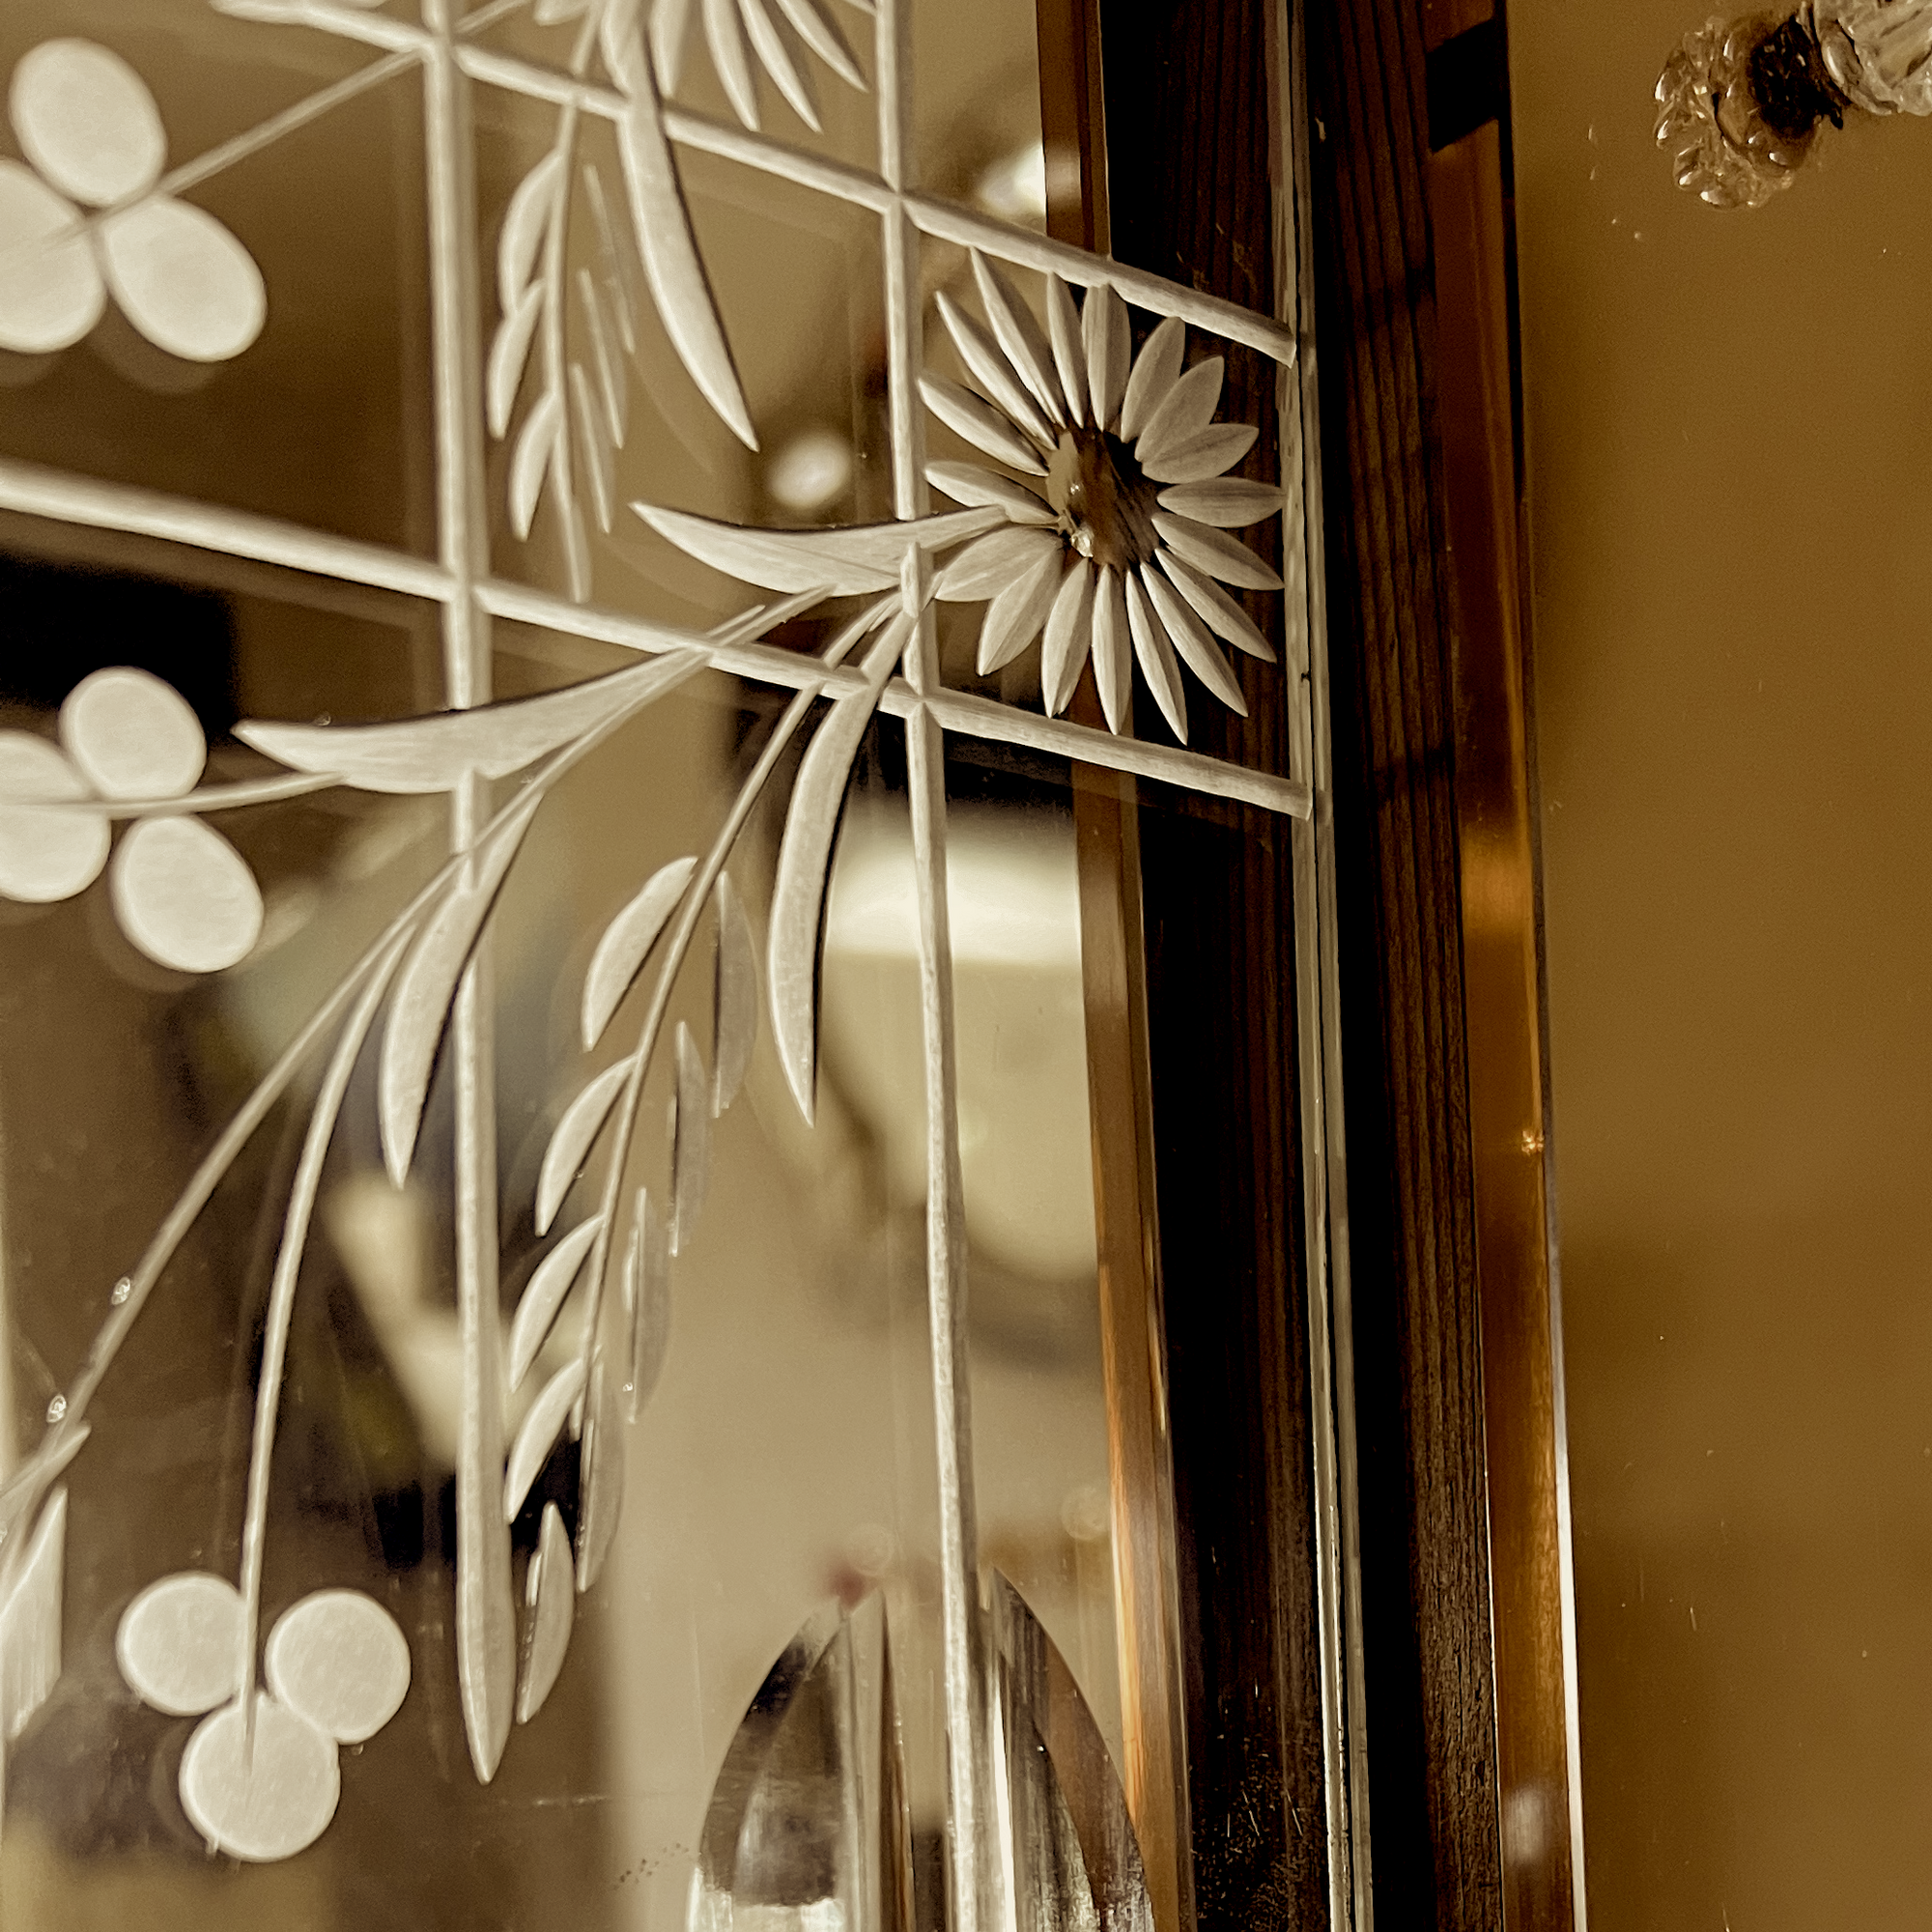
{"x":1471,"y":1655}
{"x":1207,"y":181}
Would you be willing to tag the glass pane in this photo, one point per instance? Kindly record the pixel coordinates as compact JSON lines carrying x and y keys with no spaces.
{"x":563,"y":1365}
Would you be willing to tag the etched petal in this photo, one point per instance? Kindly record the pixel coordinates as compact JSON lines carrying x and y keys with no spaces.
{"x":1226,"y":503}
{"x":340,"y":1659}
{"x":131,"y":735}
{"x":1070,"y":625}
{"x":980,"y":423}
{"x":1224,"y":617}
{"x":1020,"y":337}
{"x":86,"y":120}
{"x":185,"y":281}
{"x":1216,"y":448}
{"x":264,"y":1797}
{"x":991,"y":370}
{"x":968,"y":483}
{"x":45,"y":855}
{"x":1189,"y":635}
{"x":184,"y":896}
{"x":1157,"y":662}
{"x":1015,"y":616}
{"x":1156,"y":370}
{"x":989,"y":564}
{"x":1184,"y":413}
{"x":1063,"y":321}
{"x":1108,"y":340}
{"x":1219,"y":555}
{"x":821,"y":34}
{"x":50,"y":288}
{"x":1113,"y":650}
{"x":778,"y":49}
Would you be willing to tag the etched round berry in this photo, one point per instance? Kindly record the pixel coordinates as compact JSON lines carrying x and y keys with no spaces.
{"x":45,"y":855}
{"x":340,"y":1659}
{"x":184,"y":896}
{"x":86,"y":120}
{"x":131,"y":735}
{"x":263,"y":1798}
{"x":178,"y":1645}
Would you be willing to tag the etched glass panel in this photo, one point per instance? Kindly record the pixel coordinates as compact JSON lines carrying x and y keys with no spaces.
{"x":575,"y":1349}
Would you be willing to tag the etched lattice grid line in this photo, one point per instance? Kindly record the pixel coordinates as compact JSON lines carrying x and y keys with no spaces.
{"x":446,"y":929}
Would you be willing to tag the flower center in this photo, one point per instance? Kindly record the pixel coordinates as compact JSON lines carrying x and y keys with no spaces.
{"x":1105,"y":505}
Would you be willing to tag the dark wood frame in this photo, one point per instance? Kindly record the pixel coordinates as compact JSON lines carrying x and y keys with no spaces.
{"x":1464,"y":1618}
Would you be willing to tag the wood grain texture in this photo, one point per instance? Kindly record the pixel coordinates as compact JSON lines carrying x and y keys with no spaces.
{"x":1190,"y":143}
{"x":1426,"y":1580}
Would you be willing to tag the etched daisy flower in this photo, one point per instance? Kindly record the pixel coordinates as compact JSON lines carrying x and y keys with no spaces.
{"x":1116,"y":545}
{"x":93,"y":135}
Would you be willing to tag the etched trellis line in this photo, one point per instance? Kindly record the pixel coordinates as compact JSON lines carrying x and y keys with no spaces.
{"x":1077,"y":416}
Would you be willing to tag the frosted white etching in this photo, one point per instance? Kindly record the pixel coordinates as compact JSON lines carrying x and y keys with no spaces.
{"x":1095,"y":527}
{"x":93,"y":138}
{"x":131,"y":748}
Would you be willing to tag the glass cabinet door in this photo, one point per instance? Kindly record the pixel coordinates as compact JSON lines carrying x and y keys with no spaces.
{"x":628,"y":656}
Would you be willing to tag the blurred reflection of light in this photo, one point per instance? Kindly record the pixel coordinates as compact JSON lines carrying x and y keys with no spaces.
{"x":1014,"y":186}
{"x":1014,"y":903}
{"x":812,"y":470}
{"x":1086,"y":1515}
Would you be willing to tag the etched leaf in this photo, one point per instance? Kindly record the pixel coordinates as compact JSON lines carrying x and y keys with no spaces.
{"x":543,"y":1298}
{"x":662,"y":224}
{"x":734,"y":1029}
{"x":647,"y":1296}
{"x":840,"y":562}
{"x":509,"y":353}
{"x":438,"y":751}
{"x":798,"y":890}
{"x":590,"y":439}
{"x":626,"y":944}
{"x":600,"y":1483}
{"x":571,"y":1143}
{"x":537,"y":446}
{"x":540,"y":1430}
{"x":550,"y":1598}
{"x":670,"y":22}
{"x":777,"y":47}
{"x":30,"y":1620}
{"x":611,"y":386}
{"x":530,"y":212}
{"x":691,"y":1141}
{"x":426,"y":987}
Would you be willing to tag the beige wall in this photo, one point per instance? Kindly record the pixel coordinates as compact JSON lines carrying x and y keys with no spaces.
{"x":1730,"y":469}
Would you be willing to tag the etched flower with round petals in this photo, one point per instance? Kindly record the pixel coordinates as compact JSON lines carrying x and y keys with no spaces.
{"x":180,"y":892}
{"x":1117,"y":545}
{"x":93,"y":140}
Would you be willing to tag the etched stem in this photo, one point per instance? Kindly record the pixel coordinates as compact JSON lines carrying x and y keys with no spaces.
{"x":678,"y":944}
{"x":307,"y":1182}
{"x":977,"y":1884}
{"x":485,"y":1633}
